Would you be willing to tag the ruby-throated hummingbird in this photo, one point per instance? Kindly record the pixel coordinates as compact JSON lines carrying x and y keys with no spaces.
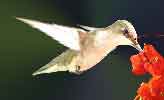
{"x":87,"y":45}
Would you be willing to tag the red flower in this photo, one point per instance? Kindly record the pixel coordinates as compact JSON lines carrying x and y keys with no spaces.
{"x":148,"y":61}
{"x":138,"y":64}
{"x":155,"y":64}
{"x":153,"y":90}
{"x":152,"y":62}
{"x":144,"y":91}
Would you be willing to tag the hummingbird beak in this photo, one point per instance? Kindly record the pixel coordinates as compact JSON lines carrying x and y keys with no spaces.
{"x":138,"y":47}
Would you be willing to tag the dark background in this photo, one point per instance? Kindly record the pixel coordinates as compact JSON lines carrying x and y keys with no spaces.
{"x":23,"y":49}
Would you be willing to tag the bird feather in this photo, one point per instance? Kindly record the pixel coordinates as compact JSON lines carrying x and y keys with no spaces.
{"x":68,"y":36}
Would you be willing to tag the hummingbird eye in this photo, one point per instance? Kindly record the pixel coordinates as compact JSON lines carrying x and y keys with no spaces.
{"x":125,"y":32}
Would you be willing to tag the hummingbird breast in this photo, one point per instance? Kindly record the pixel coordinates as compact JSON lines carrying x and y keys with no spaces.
{"x":92,"y":54}
{"x":89,"y":59}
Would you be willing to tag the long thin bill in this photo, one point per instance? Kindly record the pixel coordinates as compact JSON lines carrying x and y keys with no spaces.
{"x":138,"y":47}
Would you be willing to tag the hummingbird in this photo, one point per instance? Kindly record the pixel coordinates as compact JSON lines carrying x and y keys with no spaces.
{"x":86,"y":45}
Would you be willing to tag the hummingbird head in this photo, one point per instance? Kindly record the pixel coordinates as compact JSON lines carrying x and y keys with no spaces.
{"x":126,"y":33}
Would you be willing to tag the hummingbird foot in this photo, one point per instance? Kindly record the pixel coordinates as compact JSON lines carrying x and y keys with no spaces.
{"x":77,"y":71}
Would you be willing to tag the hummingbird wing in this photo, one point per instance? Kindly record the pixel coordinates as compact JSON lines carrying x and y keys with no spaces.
{"x":89,"y":28}
{"x":64,"y":62}
{"x":68,"y":36}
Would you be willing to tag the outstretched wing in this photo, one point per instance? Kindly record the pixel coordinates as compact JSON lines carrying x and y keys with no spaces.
{"x":64,"y":62}
{"x":67,"y":36}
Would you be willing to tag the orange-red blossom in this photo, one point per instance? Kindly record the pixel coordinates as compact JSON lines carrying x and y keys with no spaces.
{"x":149,"y":61}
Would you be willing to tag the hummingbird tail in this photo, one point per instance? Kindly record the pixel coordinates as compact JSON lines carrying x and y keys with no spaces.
{"x":64,"y":62}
